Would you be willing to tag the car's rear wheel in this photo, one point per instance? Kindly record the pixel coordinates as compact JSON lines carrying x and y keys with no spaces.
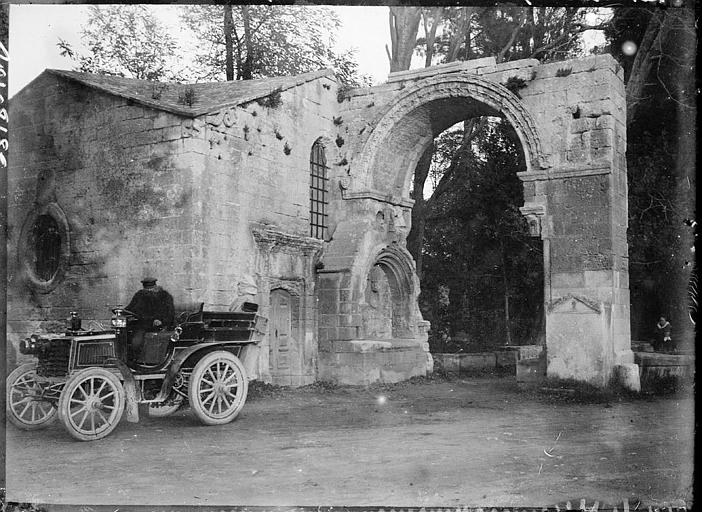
{"x":91,"y":404}
{"x":26,"y":408}
{"x":218,"y":387}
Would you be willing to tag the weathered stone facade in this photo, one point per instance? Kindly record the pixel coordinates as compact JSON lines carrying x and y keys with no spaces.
{"x":208,"y":187}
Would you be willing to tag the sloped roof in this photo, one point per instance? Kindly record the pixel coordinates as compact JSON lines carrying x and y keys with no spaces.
{"x":209,"y":97}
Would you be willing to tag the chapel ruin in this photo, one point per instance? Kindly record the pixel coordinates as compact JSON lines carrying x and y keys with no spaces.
{"x":293,"y":192}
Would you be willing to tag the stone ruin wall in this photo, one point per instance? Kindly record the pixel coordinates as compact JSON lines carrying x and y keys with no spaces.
{"x":121,"y":176}
{"x":149,"y":192}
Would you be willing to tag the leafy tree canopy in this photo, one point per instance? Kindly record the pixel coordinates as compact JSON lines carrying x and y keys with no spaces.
{"x":125,"y":40}
{"x":264,"y":41}
{"x":268,"y":41}
{"x":481,"y":267}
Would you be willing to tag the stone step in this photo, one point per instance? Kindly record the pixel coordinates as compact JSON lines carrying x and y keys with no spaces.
{"x":661,"y":359}
{"x":641,"y":346}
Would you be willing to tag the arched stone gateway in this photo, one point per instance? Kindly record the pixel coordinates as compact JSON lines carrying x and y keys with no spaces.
{"x":570,"y":119}
{"x":428,"y":107}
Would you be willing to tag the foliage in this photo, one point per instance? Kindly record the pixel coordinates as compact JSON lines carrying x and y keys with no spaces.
{"x":502,"y":31}
{"x":187,"y":97}
{"x":273,"y":100}
{"x":515,"y":83}
{"x":125,"y":40}
{"x":268,"y":41}
{"x":477,"y":250}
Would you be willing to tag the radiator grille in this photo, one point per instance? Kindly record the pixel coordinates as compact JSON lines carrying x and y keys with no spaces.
{"x":53,"y":358}
{"x":95,"y":353}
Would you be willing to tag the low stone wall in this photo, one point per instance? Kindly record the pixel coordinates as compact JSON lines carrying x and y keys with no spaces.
{"x":505,"y":359}
{"x":363,"y":362}
{"x":664,"y":372}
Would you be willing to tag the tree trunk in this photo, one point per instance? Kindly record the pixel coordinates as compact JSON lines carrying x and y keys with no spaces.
{"x":683,"y":91}
{"x":415,"y":238}
{"x":505,"y":283}
{"x":228,"y":43}
{"x":247,"y":67}
{"x":404,"y":24}
{"x":430,"y":33}
{"x":500,"y":57}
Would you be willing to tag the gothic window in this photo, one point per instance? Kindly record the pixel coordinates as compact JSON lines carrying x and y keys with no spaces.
{"x":319,"y":191}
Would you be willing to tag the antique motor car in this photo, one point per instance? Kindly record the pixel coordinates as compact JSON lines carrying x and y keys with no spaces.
{"x":87,"y":378}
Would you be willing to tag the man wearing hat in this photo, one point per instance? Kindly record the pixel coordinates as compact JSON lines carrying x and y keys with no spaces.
{"x":153,"y":307}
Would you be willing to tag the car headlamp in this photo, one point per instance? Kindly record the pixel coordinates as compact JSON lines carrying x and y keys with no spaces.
{"x":29,"y":345}
{"x":119,"y":321}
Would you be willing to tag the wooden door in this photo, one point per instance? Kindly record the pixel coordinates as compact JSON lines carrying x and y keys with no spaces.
{"x":280,"y":332}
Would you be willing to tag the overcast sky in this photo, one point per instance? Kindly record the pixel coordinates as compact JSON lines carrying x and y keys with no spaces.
{"x":35,"y":30}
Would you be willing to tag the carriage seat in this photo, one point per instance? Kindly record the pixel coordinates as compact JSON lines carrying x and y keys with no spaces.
{"x":189,"y":312}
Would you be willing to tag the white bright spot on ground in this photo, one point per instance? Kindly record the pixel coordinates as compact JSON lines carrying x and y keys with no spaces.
{"x":381,"y":400}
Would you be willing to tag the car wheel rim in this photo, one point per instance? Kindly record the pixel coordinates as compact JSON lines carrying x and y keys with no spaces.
{"x":218,"y":389}
{"x":93,"y":405}
{"x":25,"y":402}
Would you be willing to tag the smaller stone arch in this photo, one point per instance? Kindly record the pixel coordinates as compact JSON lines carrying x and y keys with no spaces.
{"x":389,"y":296}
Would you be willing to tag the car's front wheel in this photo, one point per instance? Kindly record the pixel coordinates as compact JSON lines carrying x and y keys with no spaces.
{"x":218,"y":387}
{"x":91,"y":404}
{"x":26,"y":407}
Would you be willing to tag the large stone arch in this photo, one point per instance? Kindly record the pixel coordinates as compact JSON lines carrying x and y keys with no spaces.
{"x":570,"y":118}
{"x":425,"y":109}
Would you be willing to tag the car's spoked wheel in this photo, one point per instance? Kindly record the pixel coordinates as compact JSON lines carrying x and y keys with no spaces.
{"x":25,"y":406}
{"x":91,"y":404}
{"x":218,"y":388}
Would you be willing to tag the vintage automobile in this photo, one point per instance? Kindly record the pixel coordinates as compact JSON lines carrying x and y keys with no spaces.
{"x":87,"y":378}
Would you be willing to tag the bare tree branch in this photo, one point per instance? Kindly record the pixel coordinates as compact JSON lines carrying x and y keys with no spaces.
{"x":643,"y":63}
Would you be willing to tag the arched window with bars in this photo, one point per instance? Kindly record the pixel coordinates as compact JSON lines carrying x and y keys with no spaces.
{"x":319,"y":191}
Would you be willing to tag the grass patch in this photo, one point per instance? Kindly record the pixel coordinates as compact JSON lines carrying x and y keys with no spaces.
{"x":570,"y":391}
{"x":260,"y":389}
{"x":667,"y":385}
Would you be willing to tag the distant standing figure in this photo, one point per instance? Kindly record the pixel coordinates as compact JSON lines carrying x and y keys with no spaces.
{"x":663,"y":329}
{"x":154,"y":309}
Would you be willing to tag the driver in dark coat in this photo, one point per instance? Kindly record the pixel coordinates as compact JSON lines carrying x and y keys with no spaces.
{"x":153,"y":307}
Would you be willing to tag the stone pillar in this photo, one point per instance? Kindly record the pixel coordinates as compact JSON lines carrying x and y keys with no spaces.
{"x":579,"y":201}
{"x":587,"y":269}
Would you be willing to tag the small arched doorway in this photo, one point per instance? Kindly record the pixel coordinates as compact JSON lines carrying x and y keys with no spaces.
{"x":283,"y":329}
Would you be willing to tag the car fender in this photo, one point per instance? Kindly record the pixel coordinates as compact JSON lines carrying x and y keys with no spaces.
{"x":131,"y":405}
{"x":183,"y":356}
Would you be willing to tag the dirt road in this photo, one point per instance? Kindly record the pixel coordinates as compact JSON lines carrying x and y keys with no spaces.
{"x":462,"y":442}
